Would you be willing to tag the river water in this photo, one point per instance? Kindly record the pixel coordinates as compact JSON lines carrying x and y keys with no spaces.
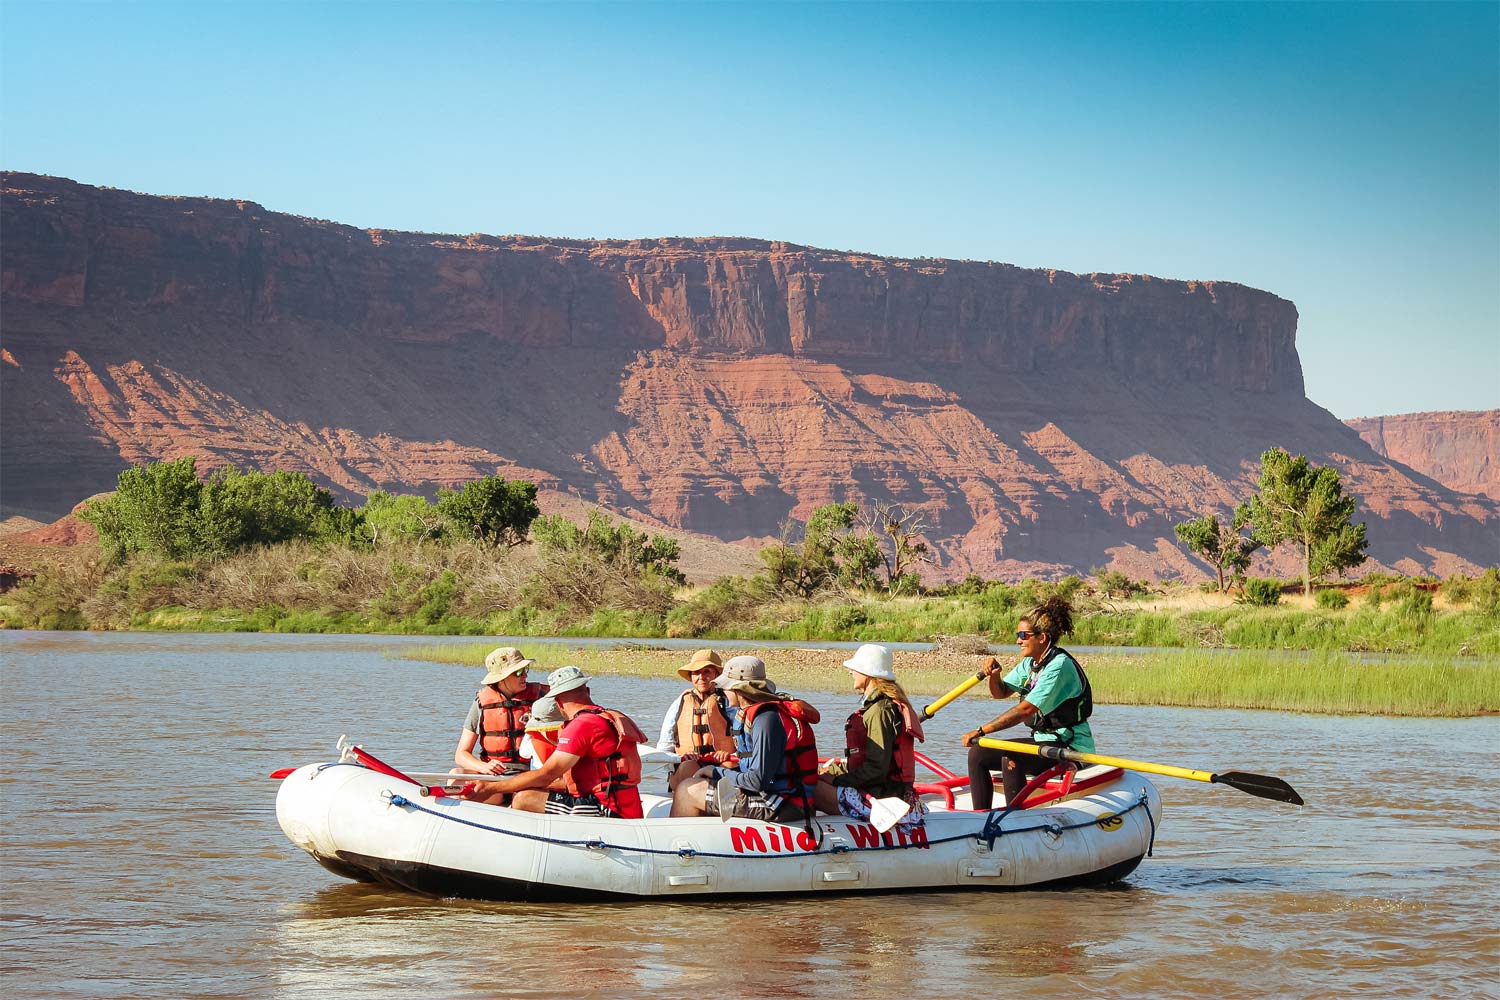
{"x":142,"y":858}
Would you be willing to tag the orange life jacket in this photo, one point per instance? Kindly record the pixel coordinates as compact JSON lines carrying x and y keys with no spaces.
{"x":619,"y":770}
{"x":543,"y":743}
{"x":800,"y":758}
{"x":908,"y":731}
{"x":703,"y":724}
{"x":502,"y":722}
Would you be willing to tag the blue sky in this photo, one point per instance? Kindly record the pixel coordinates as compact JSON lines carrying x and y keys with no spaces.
{"x":1344,"y":156}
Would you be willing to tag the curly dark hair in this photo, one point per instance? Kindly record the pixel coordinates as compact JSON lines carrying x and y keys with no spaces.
{"x":1053,"y":618}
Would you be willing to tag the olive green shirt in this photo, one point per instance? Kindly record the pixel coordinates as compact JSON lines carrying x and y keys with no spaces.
{"x":882,"y":727}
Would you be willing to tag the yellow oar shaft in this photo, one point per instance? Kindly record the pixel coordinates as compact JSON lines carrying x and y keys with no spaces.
{"x":957,"y":692}
{"x":1094,"y":758}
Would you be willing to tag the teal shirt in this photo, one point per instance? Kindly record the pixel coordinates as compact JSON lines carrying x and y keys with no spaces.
{"x":1058,"y":681}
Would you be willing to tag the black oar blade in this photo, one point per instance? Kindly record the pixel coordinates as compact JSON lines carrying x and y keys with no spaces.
{"x":1262,"y":785}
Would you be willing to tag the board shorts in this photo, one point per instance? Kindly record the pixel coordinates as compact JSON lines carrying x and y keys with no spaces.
{"x":566,"y":804}
{"x":767,"y":808}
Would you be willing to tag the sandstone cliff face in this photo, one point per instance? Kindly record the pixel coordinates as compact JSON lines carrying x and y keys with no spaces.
{"x":1460,"y":449}
{"x":1044,"y":422}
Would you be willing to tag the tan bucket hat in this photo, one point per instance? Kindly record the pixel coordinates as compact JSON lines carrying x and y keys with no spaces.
{"x":503,"y":662}
{"x":702,"y":658}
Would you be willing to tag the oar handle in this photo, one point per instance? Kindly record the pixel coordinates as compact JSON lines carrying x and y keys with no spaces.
{"x":957,"y":692}
{"x":1061,"y":753}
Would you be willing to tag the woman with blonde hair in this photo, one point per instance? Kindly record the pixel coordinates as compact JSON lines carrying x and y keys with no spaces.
{"x":880,"y":739}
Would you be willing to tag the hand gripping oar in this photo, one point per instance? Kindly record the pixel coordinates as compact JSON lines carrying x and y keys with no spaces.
{"x":932,"y":709}
{"x":1262,"y":785}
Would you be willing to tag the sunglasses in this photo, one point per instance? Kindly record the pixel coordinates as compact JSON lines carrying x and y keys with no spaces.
{"x":1026,"y":635}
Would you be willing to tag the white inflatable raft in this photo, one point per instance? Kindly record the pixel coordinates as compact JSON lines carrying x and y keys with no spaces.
{"x":365,"y":825}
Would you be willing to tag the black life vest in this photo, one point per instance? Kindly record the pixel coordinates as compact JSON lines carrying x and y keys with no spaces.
{"x":1072,"y":711}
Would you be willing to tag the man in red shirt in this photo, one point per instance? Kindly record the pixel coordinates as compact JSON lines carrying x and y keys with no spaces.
{"x":596,"y":756}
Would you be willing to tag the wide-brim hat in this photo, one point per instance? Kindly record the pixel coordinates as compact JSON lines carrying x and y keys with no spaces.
{"x":702,"y":658}
{"x":742,"y":668}
{"x":872,"y":660}
{"x":566,"y":679}
{"x":756,"y":690}
{"x":503,"y":662}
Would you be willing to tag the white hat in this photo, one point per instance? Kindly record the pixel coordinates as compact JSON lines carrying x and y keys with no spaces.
{"x":566,"y":679}
{"x":872,"y":661}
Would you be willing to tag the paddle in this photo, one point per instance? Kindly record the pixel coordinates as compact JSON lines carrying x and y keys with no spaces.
{"x":932,"y":709}
{"x":1260,"y":785}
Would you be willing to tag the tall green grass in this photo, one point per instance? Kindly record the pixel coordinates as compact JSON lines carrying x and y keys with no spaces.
{"x":1326,"y":683}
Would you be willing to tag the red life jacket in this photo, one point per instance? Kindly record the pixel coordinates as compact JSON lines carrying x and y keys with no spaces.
{"x":800,"y":758}
{"x":908,"y":731}
{"x":619,"y":772}
{"x":502,"y":722}
{"x":702,"y":724}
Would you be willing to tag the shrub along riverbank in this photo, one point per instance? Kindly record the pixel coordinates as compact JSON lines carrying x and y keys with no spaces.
{"x":594,"y":585}
{"x":1330,"y":683}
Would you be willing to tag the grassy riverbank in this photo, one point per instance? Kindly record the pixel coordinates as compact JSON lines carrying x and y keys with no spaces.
{"x":1327,"y":683}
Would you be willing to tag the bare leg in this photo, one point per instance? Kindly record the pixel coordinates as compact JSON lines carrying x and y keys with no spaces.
{"x":826,"y":798}
{"x":532,"y":800}
{"x":691,"y":798}
{"x":684,"y":770}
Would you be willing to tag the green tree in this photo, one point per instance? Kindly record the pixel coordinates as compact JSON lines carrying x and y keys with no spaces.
{"x":1223,"y":546}
{"x":1304,"y":504}
{"x":237,"y":510}
{"x":154,"y":508}
{"x":402,"y":516}
{"x":492,"y":509}
{"x":805,"y":568}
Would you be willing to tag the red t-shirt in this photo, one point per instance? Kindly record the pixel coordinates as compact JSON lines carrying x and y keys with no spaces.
{"x":592,"y":737}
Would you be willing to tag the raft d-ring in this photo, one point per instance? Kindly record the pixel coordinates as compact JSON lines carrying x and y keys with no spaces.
{"x":597,"y":846}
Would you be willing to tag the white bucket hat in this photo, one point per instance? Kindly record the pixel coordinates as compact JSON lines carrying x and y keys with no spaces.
{"x":872,"y":661}
{"x":566,"y":679}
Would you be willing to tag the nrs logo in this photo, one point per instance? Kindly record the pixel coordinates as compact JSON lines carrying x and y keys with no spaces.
{"x":1110,"y":824}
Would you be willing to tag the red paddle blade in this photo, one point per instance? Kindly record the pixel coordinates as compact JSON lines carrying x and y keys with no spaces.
{"x":282,"y":772}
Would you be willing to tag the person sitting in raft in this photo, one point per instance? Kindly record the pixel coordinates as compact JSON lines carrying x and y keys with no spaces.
{"x":597,"y":756}
{"x":1056,"y":703}
{"x":778,"y":768}
{"x":542,"y":727}
{"x":697,"y":723}
{"x":880,"y":737}
{"x":492,"y":736}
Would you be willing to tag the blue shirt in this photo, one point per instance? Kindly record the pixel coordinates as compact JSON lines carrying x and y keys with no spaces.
{"x":763,"y":768}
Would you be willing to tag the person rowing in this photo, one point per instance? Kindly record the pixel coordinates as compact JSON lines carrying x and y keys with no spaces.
{"x":1056,"y":702}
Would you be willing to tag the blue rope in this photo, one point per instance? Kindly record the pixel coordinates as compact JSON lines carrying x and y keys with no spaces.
{"x":687,"y":852}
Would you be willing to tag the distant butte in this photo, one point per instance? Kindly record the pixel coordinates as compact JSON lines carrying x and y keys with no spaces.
{"x":1045,"y":422}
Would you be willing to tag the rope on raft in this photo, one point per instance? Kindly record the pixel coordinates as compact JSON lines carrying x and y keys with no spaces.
{"x":987,"y":834}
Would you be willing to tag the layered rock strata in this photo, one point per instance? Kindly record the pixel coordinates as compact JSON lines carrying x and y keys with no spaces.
{"x":1043,"y":422}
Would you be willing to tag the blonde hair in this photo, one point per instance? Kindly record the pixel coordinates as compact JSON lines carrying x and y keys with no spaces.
{"x":891,"y":690}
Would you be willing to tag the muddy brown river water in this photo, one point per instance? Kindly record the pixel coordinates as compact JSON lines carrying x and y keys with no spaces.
{"x":142,"y":858}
